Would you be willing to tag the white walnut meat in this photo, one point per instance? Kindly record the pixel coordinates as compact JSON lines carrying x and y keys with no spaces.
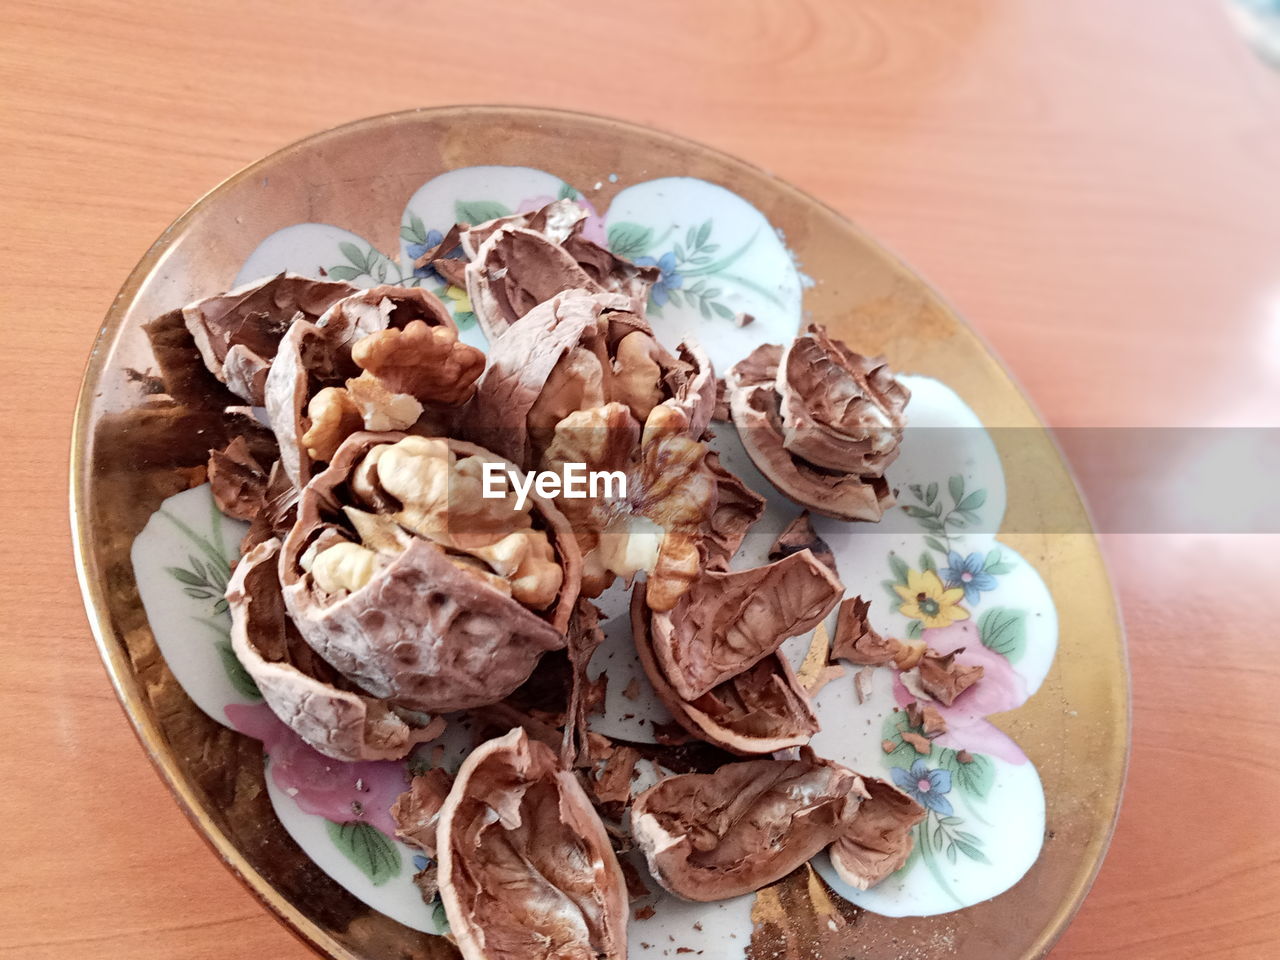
{"x":526,"y":869}
{"x":713,"y":836}
{"x":426,"y":362}
{"x":239,"y":332}
{"x":818,"y":399}
{"x":522,"y":260}
{"x":414,"y":587}
{"x":299,"y":687}
{"x":879,"y":840}
{"x":318,"y":391}
{"x":729,"y":621}
{"x":761,"y":710}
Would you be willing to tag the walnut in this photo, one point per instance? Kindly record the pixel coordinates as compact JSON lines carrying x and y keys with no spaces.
{"x":380,"y":408}
{"x":334,"y":416}
{"x":637,"y":380}
{"x":441,"y":500}
{"x":577,"y":382}
{"x":671,"y":494}
{"x":426,"y":362}
{"x":428,"y":626}
{"x":344,"y":567}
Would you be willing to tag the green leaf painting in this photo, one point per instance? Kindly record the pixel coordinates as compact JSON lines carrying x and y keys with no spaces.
{"x":629,"y":239}
{"x":478,"y":211}
{"x":371,"y":850}
{"x":974,"y":778}
{"x":236,"y":672}
{"x":1004,"y":631}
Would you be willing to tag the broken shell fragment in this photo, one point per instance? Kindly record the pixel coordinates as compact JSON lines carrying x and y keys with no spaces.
{"x":943,"y":679}
{"x":800,"y":535}
{"x":416,"y":812}
{"x":879,"y":840}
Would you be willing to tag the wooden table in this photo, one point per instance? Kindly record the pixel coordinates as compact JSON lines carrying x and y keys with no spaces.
{"x":1094,"y":184}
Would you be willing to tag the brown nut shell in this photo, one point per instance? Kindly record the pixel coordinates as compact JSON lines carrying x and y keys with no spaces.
{"x":729,"y":621}
{"x":712,"y":836}
{"x":239,"y":332}
{"x":757,"y":408}
{"x":527,"y":871}
{"x":426,"y":632}
{"x":761,"y":710}
{"x":879,"y":840}
{"x":299,"y":687}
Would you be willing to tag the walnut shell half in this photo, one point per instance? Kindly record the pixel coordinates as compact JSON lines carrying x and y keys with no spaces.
{"x":821,"y":423}
{"x":416,"y":617}
{"x":299,"y":687}
{"x":878,"y":840}
{"x":527,"y":871}
{"x":712,"y":836}
{"x":761,"y":710}
{"x":729,"y":621}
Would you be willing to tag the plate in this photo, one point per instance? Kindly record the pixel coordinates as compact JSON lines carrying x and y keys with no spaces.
{"x":1013,"y":838}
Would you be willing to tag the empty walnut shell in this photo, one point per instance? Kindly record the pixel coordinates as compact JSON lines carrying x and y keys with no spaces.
{"x":299,"y":687}
{"x":527,"y":871}
{"x":730,"y":621}
{"x":761,"y":710}
{"x":426,"y":632}
{"x":416,"y":812}
{"x":878,"y":841}
{"x":238,"y":332}
{"x":712,"y":836}
{"x":522,"y":260}
{"x":821,"y":423}
{"x":840,"y":410}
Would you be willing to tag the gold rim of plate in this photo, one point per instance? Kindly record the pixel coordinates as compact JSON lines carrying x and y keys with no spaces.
{"x":1075,"y":729}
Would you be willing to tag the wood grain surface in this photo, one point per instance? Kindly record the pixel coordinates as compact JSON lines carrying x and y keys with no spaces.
{"x":1093,"y":184}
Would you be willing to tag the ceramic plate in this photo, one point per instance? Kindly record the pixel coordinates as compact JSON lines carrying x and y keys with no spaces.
{"x":1021,"y":792}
